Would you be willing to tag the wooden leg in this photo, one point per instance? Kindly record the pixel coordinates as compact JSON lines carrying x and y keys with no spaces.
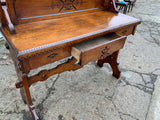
{"x":125,"y":9}
{"x":28,"y":98}
{"x":23,"y":96}
{"x":19,"y":73}
{"x":24,"y":86}
{"x":132,"y":6}
{"x":25,"y":93}
{"x":22,"y":91}
{"x":129,"y":7}
{"x":112,"y":60}
{"x":121,"y":7}
{"x":25,"y":82}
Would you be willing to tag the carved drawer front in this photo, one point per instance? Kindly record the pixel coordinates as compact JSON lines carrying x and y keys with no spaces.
{"x":126,"y":31}
{"x":98,"y":48}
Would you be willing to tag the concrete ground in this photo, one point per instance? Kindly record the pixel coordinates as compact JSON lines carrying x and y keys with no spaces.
{"x":91,"y":93}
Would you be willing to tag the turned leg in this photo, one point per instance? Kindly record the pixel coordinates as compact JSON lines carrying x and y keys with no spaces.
{"x":112,"y":60}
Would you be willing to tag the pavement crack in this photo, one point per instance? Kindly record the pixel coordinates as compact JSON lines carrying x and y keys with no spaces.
{"x":125,"y":70}
{"x":125,"y":114}
{"x":139,"y":86}
{"x":9,"y":112}
{"x":153,"y":78}
{"x":120,"y":116}
{"x":144,"y":87}
{"x":155,"y":69}
{"x":95,"y":113}
{"x":148,"y":108}
{"x":143,"y":79}
{"x":121,"y":113}
{"x":49,"y":92}
{"x":150,"y":31}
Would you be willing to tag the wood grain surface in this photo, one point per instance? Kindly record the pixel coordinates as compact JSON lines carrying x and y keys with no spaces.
{"x":26,"y":9}
{"x":34,"y":36}
{"x":40,"y":40}
{"x":96,"y":49}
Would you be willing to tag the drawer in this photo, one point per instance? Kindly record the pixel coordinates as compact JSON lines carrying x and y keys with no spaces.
{"x":126,"y":31}
{"x":98,"y":48}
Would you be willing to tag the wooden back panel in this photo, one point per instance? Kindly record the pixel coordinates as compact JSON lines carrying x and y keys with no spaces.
{"x":20,"y":10}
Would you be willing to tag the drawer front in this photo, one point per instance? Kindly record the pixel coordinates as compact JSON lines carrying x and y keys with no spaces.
{"x":92,"y":51}
{"x":126,"y":31}
{"x":48,"y":57}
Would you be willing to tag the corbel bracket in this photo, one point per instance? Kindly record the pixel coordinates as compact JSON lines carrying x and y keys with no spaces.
{"x":110,"y":5}
{"x":10,"y":25}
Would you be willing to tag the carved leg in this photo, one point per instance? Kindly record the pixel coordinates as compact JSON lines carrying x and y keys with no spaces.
{"x":24,"y":86}
{"x":19,"y":73}
{"x":25,"y":93}
{"x":112,"y":60}
{"x":28,"y":98}
{"x":26,"y":81}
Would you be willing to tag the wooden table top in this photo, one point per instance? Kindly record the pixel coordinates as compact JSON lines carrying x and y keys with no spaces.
{"x":47,"y":33}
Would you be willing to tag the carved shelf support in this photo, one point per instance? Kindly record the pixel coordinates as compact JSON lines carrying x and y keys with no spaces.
{"x":110,"y":5}
{"x":8,"y":20}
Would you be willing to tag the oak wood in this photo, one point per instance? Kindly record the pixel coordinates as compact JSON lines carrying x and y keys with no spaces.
{"x":126,"y":31}
{"x":60,"y":31}
{"x":26,"y":9}
{"x":99,"y":48}
{"x":111,"y":6}
{"x":46,"y":30}
{"x":49,"y":41}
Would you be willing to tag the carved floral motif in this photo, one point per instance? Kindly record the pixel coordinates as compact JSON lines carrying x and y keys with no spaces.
{"x":105,"y":52}
{"x":68,"y":5}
